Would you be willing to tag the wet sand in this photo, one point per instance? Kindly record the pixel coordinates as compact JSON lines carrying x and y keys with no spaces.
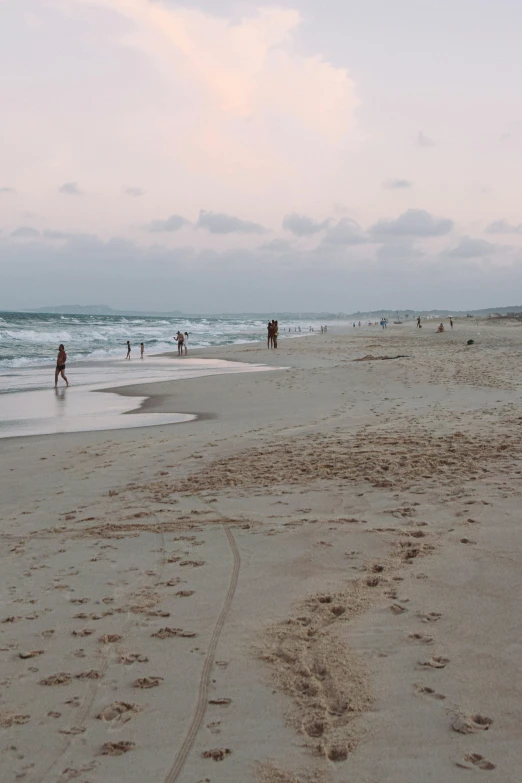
{"x":316,"y":580}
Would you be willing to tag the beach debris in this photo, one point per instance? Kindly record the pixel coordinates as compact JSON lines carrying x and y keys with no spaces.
{"x":220,"y":702}
{"x":370,"y":358}
{"x":31,"y":654}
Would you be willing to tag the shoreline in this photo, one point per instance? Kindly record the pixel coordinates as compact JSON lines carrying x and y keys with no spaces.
{"x":330,"y":557}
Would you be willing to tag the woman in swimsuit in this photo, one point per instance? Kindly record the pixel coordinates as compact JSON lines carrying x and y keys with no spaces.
{"x":60,"y":366}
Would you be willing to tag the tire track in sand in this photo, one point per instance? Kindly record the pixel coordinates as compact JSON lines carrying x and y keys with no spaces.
{"x":201,"y":706}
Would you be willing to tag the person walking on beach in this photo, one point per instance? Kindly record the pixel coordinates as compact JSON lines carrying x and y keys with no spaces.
{"x":275,"y":333}
{"x":418,"y":322}
{"x":186,"y":343}
{"x":128,"y":349}
{"x":142,"y":349}
{"x":60,"y":366}
{"x":180,"y":340}
{"x":451,"y":322}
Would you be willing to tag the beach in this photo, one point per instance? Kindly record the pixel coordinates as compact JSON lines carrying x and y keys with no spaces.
{"x":313,"y":578}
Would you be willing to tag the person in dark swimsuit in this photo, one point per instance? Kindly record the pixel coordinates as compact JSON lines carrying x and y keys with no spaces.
{"x":181,"y":340}
{"x":128,"y":349}
{"x":60,"y":366}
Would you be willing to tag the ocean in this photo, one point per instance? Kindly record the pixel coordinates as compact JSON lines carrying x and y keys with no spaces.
{"x":96,"y":349}
{"x":29,"y":342}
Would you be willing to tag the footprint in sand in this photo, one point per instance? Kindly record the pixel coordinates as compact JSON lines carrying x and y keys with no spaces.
{"x":469,"y":724}
{"x":11,"y":719}
{"x":119,"y":712}
{"x":185,"y":593}
{"x":397,"y":609}
{"x":91,"y":674}
{"x":437,"y":662}
{"x":429,"y":617}
{"x":148,"y":682}
{"x":217,"y":754}
{"x":426,"y":691}
{"x":421,"y":637}
{"x":475,"y":760}
{"x":110,"y":638}
{"x":129,"y":657}
{"x":116,"y":748}
{"x":168,"y":633}
{"x":57,"y":679}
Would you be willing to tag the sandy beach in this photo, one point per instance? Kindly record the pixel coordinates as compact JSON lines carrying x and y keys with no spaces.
{"x":315,"y":581}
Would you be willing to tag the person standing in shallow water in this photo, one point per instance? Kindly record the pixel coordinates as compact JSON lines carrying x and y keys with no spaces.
{"x":180,"y":339}
{"x":142,"y":350}
{"x":60,"y":366}
{"x":128,"y":349}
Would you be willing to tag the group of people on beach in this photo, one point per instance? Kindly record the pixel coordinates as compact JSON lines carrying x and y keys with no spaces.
{"x":182,"y":340}
{"x":142,"y":350}
{"x":273,"y":334}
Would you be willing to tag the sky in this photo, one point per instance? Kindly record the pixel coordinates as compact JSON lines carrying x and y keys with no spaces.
{"x":234,"y":156}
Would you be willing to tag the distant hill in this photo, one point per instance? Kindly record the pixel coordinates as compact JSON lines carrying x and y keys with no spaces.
{"x":326,"y":316}
{"x":96,"y":310}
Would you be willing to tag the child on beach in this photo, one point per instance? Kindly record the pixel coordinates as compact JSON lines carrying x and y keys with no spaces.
{"x":60,"y":366}
{"x":186,"y":343}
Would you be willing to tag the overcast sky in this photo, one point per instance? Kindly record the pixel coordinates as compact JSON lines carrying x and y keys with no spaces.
{"x":235,"y":155}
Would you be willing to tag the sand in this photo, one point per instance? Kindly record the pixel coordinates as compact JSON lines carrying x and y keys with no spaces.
{"x":317,"y":581}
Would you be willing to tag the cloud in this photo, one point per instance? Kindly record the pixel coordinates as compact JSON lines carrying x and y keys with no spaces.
{"x":276,"y":246}
{"x":48,"y":234}
{"x":303,"y":226}
{"x":412,"y":223}
{"x":134,"y":191}
{"x":472,"y":248}
{"x":25,"y":232}
{"x":173,"y":223}
{"x":425,"y":141}
{"x":397,"y":184}
{"x":218,"y":223}
{"x":7,"y":190}
{"x":257,"y":99}
{"x":503,"y":227}
{"x":70,"y":189}
{"x":345,"y":232}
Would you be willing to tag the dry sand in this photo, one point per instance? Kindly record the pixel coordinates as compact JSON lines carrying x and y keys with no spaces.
{"x":316,"y":581}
